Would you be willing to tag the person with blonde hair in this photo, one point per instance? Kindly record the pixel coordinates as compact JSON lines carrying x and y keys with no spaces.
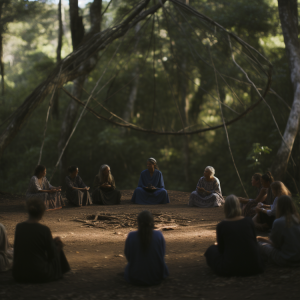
{"x":105,"y":192}
{"x":237,"y":252}
{"x":208,"y":190}
{"x":266,"y":213}
{"x":283,"y":246}
{"x":6,"y":253}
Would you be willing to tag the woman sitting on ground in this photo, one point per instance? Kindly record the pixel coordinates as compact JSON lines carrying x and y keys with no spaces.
{"x":237,"y":251}
{"x":283,"y":246}
{"x":266,"y":213}
{"x":6,"y":254}
{"x":37,"y":256}
{"x":208,"y":191}
{"x":145,"y":251}
{"x":77,"y":192}
{"x":151,"y":187}
{"x":40,"y":188}
{"x":105,"y":192}
{"x":264,"y":194}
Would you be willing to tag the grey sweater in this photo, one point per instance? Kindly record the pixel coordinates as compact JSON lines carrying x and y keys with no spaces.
{"x":286,"y":240}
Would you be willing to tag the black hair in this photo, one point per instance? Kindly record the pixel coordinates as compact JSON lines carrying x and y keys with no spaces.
{"x":35,"y":208}
{"x":145,"y":229}
{"x":39,"y":169}
{"x":72,"y":169}
{"x":268,"y":177}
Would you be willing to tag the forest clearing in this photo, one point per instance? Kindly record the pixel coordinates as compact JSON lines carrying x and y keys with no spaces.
{"x":177,"y":88}
{"x":96,"y":256}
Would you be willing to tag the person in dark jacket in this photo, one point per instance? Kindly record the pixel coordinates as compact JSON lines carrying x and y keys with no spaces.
{"x":37,"y":256}
{"x":237,"y":252}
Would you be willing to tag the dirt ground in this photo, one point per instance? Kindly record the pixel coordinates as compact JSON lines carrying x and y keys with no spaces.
{"x":95,"y":253}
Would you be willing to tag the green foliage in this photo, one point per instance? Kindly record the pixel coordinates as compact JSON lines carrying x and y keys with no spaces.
{"x":255,"y":155}
{"x":29,"y":55}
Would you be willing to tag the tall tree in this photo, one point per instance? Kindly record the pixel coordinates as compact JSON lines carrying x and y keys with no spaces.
{"x":288,"y":13}
{"x":55,"y":105}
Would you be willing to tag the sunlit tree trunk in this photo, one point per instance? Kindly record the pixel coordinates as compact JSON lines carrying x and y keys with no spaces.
{"x":288,"y":13}
{"x":1,"y":48}
{"x":55,"y":105}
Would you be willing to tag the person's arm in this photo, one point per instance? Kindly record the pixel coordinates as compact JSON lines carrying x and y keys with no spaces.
{"x":127,"y":248}
{"x":276,"y":235}
{"x":161,"y":184}
{"x":82,"y":185}
{"x":261,"y":197}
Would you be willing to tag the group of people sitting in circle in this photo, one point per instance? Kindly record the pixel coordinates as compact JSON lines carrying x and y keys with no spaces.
{"x":37,"y":257}
{"x":151,"y":188}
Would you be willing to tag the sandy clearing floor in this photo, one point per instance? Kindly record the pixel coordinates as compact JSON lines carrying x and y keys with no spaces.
{"x":96,"y":257}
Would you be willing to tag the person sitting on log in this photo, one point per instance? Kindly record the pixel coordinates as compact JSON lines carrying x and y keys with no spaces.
{"x":145,"y":251}
{"x":77,"y":191}
{"x":283,"y":246}
{"x":264,"y":194}
{"x":151,"y":187}
{"x":40,"y":188}
{"x":105,"y":192}
{"x":37,"y":256}
{"x":208,"y":191}
{"x":6,"y":254}
{"x":266,"y":214}
{"x":237,"y":252}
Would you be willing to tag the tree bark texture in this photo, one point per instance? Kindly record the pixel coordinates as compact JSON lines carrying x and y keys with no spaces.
{"x":288,"y":13}
{"x":72,"y":69}
{"x":77,"y":34}
{"x":127,"y":115}
{"x":55,"y":104}
{"x":1,"y":49}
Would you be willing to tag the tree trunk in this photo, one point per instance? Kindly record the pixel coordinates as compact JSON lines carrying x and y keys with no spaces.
{"x":185,"y":109}
{"x":55,"y":105}
{"x":77,"y":33}
{"x":127,"y":115}
{"x":288,"y":13}
{"x":1,"y":49}
{"x":70,"y":70}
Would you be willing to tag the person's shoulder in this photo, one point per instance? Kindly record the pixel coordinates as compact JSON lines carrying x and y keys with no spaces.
{"x":132,"y":234}
{"x":157,"y":171}
{"x":216,"y":179}
{"x":33,"y":178}
{"x":144,"y":171}
{"x":280,"y":221}
{"x":202,"y":178}
{"x":158,"y":234}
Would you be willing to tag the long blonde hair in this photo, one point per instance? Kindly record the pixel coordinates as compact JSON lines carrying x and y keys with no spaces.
{"x":101,"y":176}
{"x":279,"y":189}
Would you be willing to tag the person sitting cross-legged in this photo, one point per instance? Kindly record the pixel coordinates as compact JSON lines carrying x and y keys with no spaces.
{"x":208,"y":191}
{"x":37,"y":256}
{"x":145,"y":251}
{"x":237,"y":252}
{"x":283,"y":246}
{"x":151,"y":187}
{"x":77,"y":192}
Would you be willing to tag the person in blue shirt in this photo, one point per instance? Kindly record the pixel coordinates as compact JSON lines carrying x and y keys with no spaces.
{"x":145,"y":251}
{"x":151,"y":187}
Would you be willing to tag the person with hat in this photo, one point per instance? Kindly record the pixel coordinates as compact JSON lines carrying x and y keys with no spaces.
{"x":151,"y":187}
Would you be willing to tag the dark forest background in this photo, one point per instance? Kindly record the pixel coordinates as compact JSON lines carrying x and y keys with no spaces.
{"x":30,"y":42}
